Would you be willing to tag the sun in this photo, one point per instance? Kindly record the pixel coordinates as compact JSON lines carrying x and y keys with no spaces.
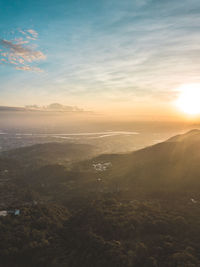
{"x":189,"y":99}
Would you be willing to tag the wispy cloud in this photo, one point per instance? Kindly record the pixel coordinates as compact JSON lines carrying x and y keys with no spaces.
{"x":116,"y":51}
{"x":148,"y":52}
{"x":30,"y":34}
{"x":28,"y":68}
{"x":19,"y":53}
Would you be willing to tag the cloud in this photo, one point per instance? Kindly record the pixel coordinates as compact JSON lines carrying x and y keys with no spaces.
{"x":30,"y":34}
{"x":129,"y":51}
{"x":17,"y":53}
{"x":141,"y":56}
{"x":55,"y":107}
{"x":21,"y":41}
{"x":49,"y":108}
{"x":28,"y":68}
{"x":33,"y":33}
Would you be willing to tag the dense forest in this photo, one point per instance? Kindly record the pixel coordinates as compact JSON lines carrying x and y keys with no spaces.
{"x":126,"y":210}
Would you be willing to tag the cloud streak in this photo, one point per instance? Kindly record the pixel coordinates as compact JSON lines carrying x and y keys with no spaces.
{"x":19,"y":54}
{"x":142,"y":55}
{"x":116,"y":52}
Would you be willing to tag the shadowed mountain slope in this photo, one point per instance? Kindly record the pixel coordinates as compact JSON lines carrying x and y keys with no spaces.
{"x":175,"y":162}
{"x":50,"y":153}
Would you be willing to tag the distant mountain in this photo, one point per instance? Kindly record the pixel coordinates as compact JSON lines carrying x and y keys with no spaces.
{"x":189,"y":137}
{"x":51,"y":153}
{"x":173,"y":163}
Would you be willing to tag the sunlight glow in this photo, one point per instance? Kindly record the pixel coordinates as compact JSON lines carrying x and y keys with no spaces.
{"x":189,"y":99}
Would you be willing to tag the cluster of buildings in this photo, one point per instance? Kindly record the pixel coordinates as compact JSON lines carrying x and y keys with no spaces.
{"x":4,"y":213}
{"x":102,"y":166}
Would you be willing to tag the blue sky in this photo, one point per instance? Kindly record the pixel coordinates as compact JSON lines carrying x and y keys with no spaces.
{"x":98,"y":54}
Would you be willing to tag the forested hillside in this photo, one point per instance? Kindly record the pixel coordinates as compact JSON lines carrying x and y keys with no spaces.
{"x":136,"y":209}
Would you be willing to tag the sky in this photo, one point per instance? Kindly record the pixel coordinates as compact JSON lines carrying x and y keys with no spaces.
{"x":113,"y":56}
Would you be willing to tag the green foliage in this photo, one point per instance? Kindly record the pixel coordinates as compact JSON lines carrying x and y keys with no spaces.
{"x":137,"y":214}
